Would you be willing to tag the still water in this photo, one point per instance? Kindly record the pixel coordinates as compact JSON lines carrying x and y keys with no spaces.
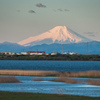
{"x":47,"y":86}
{"x":50,"y":65}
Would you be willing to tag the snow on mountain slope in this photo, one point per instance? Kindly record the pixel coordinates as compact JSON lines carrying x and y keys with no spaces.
{"x":59,"y":34}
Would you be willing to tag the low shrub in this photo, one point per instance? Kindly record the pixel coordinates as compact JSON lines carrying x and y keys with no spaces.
{"x":93,"y":82}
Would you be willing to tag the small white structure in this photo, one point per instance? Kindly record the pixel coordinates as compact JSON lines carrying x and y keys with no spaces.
{"x":13,"y":53}
{"x":18,"y":53}
{"x":54,"y":53}
{"x":71,"y":53}
{"x":23,"y":53}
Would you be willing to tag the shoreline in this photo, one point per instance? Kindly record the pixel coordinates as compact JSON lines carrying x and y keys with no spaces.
{"x":52,"y":57}
{"x":83,"y":74}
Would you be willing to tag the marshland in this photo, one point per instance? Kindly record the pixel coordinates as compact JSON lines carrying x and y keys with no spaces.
{"x":51,"y":77}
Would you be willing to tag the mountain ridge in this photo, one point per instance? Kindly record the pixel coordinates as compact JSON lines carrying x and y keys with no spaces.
{"x":93,"y":47}
{"x":10,"y":47}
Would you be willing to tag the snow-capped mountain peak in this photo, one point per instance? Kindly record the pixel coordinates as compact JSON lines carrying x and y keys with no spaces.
{"x":59,"y":34}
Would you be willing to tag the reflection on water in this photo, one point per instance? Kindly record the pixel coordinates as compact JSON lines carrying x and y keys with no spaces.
{"x":47,"y":86}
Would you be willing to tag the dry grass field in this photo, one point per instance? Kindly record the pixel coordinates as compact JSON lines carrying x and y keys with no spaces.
{"x":28,"y":72}
{"x":50,"y":73}
{"x":91,"y":73}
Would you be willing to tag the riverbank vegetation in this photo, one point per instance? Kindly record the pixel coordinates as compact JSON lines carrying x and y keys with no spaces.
{"x":40,"y":96}
{"x":84,"y":74}
{"x":52,"y":57}
{"x":93,"y":82}
{"x":66,"y":80}
{"x":70,"y":80}
{"x":8,"y":79}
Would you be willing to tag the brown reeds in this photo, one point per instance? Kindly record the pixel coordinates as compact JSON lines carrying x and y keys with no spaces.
{"x":66,"y":80}
{"x":28,"y":72}
{"x":50,"y":73}
{"x":38,"y":79}
{"x":6,"y":79}
{"x":80,"y":74}
{"x":93,"y":82}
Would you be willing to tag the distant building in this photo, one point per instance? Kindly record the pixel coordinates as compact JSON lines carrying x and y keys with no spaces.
{"x":18,"y":53}
{"x":9,"y":53}
{"x":71,"y":53}
{"x":6,"y":53}
{"x":23,"y":53}
{"x":35,"y":52}
{"x":54,"y":53}
{"x":2,"y":53}
{"x":13,"y":53}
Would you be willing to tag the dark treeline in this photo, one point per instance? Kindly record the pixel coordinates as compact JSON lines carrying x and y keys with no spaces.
{"x":52,"y":57}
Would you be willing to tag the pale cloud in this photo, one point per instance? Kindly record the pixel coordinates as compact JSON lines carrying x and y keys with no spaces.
{"x":60,"y":9}
{"x":31,"y":11}
{"x":18,"y":10}
{"x":90,"y":33}
{"x":40,"y":5}
{"x":66,"y":10}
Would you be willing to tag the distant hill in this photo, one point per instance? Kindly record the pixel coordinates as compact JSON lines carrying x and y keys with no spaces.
{"x":11,"y":47}
{"x":93,"y":47}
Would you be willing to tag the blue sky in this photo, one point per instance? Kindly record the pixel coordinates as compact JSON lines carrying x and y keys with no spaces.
{"x":20,"y":19}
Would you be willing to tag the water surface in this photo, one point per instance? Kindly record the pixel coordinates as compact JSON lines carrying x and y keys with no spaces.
{"x":47,"y":86}
{"x":50,"y":65}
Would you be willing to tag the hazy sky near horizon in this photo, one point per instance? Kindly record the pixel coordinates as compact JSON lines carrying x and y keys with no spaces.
{"x":20,"y":19}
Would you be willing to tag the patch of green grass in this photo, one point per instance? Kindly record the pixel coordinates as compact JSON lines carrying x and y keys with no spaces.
{"x":39,"y":96}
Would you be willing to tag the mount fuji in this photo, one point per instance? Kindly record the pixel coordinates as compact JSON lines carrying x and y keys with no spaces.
{"x":59,"y":34}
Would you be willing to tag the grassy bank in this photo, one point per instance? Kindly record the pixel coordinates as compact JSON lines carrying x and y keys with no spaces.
{"x":52,"y":57}
{"x":38,"y":96}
